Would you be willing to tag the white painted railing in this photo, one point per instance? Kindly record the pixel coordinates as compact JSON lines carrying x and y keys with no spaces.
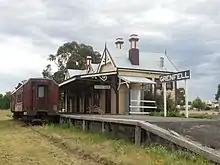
{"x":138,"y":106}
{"x":144,"y":101}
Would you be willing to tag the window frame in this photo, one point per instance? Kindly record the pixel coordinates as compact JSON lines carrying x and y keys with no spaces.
{"x":40,"y":91}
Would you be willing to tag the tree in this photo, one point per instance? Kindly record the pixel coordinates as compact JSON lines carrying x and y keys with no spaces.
{"x":180,"y":96}
{"x":217,"y":95}
{"x":47,"y":72}
{"x":189,"y":102}
{"x":160,"y":102}
{"x":5,"y":100}
{"x":198,"y":103}
{"x":70,"y":55}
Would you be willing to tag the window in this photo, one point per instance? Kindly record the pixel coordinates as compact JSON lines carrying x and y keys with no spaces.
{"x":41,"y":91}
{"x":146,"y":87}
{"x":158,"y":84}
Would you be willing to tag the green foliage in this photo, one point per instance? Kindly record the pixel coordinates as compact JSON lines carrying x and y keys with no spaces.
{"x":70,"y":55}
{"x":5,"y":100}
{"x":180,"y":96}
{"x":160,"y":102}
{"x":189,"y":102}
{"x":217,"y":95}
{"x":47,"y":72}
{"x":198,"y":103}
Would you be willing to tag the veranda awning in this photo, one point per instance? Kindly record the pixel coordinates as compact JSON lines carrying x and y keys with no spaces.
{"x":132,"y":79}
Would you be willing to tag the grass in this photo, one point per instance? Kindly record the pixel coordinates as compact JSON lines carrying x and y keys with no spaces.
{"x":121,"y":152}
{"x":66,"y":145}
{"x":21,"y":146}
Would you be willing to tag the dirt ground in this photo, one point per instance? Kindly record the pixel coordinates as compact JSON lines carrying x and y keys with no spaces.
{"x":196,"y":112}
{"x":57,"y":145}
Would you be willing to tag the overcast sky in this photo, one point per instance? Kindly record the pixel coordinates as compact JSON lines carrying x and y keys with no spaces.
{"x":188,"y":29}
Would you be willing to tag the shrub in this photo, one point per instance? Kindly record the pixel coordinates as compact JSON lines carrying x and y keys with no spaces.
{"x":160,"y":102}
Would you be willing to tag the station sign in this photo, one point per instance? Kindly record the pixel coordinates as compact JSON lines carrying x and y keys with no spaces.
{"x":102,"y":87}
{"x":183,"y":75}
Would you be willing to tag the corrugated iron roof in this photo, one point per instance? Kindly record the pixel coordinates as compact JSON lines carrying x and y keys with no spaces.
{"x":147,"y":61}
{"x":74,"y":72}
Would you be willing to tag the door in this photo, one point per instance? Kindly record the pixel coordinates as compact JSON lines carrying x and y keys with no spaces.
{"x":108,"y":101}
{"x":86,"y":103}
{"x":42,"y":100}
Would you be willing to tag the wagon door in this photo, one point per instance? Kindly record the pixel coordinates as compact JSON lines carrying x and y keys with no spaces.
{"x":42,"y":97}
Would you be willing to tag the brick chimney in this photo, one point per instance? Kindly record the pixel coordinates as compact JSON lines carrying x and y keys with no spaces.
{"x":119,"y":42}
{"x":134,"y":52}
{"x":88,"y":63}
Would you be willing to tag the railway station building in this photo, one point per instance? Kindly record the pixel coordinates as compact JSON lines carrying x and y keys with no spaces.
{"x":124,"y":82}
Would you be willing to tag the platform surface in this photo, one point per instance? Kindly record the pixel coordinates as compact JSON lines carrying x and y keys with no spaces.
{"x":204,"y":131}
{"x":143,"y":118}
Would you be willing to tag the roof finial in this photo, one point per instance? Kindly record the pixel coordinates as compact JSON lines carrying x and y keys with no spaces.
{"x":105,"y":45}
{"x":170,"y":60}
{"x":105,"y":54}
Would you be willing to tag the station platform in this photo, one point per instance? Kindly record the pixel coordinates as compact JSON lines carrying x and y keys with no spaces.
{"x":204,"y":131}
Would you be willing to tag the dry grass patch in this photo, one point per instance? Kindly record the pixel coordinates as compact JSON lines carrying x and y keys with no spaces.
{"x":21,"y":146}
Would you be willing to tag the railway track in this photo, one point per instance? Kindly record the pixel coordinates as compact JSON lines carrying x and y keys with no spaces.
{"x":66,"y":146}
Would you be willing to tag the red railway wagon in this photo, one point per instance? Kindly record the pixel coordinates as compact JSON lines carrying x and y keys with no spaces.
{"x":37,"y":98}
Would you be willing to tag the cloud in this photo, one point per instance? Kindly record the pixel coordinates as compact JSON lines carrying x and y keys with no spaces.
{"x":189,"y":30}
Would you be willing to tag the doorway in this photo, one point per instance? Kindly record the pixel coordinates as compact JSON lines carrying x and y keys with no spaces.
{"x":108,"y":101}
{"x":42,"y":97}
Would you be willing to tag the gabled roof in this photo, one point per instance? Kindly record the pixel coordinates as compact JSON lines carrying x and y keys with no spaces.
{"x":147,"y":61}
{"x":105,"y":59}
{"x":120,"y":60}
{"x":74,"y":72}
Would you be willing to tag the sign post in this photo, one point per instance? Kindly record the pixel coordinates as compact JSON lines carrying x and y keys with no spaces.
{"x":186,"y":100}
{"x":165,"y":99}
{"x":183,"y":75}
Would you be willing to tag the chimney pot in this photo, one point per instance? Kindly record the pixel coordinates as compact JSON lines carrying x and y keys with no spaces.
{"x":88,"y":62}
{"x":119,"y":42}
{"x":134,"y":51}
{"x":133,"y":40}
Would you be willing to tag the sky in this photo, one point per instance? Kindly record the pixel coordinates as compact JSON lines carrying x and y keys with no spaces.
{"x":30,"y":30}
